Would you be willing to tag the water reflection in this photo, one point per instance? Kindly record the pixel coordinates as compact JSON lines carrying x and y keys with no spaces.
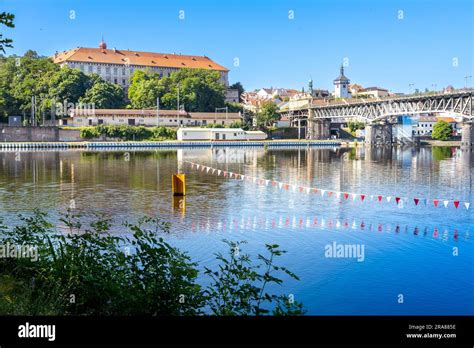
{"x":408,"y":249}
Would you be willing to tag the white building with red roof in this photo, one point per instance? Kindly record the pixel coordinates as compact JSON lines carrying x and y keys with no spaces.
{"x":116,"y":66}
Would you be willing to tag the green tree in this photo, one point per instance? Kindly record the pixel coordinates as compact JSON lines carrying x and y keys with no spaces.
{"x":104,"y":95}
{"x":30,"y":78}
{"x":6,"y":19}
{"x":267,"y":115}
{"x":199,"y":90}
{"x":442,"y":130}
{"x":238,"y":86}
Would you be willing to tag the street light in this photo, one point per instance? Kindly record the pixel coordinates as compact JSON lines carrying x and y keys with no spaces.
{"x":178,"y":106}
{"x":158,"y":111}
{"x":409,"y":87}
{"x":466,"y":79}
{"x":217,"y":109}
{"x":434,"y":86}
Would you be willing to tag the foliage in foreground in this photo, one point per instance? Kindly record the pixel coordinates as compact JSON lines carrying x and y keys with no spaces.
{"x":89,"y":271}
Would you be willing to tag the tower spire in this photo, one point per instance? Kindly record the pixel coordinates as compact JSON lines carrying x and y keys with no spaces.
{"x":102,"y":43}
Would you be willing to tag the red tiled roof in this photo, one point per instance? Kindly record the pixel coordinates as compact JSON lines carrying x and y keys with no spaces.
{"x":137,"y":58}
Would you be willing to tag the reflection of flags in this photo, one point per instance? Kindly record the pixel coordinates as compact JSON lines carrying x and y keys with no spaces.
{"x":329,"y":194}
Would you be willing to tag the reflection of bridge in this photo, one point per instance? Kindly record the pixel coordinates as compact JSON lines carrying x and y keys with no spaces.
{"x":379,"y":114}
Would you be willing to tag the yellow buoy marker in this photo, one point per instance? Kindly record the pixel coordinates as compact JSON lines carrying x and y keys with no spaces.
{"x":178,"y":185}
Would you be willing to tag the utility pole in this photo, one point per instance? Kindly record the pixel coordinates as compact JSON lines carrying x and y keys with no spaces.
{"x":466,"y":78}
{"x":178,"y":107}
{"x":215,"y":113}
{"x":158,"y":111}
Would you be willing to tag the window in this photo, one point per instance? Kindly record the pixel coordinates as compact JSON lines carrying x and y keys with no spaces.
{"x":222,"y":122}
{"x":100,"y":121}
{"x":115,"y":70}
{"x":123,"y":81}
{"x":235,"y":134}
{"x":89,"y":68}
{"x":123,"y":71}
{"x":115,"y":80}
{"x":107,"y":69}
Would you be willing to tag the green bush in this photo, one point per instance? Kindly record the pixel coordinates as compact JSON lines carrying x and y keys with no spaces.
{"x":89,"y":271}
{"x":126,"y":132}
{"x":89,"y":132}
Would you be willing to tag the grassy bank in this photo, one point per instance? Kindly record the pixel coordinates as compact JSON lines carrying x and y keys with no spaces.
{"x":440,"y":142}
{"x":85,"y":270}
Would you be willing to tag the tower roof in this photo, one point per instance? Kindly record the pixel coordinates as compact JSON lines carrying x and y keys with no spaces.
{"x":341,"y":77}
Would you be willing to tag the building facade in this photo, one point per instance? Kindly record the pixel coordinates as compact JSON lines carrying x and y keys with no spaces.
{"x":116,"y":66}
{"x":152,"y":118}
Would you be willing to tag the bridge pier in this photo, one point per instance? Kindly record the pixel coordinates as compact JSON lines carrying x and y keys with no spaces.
{"x":378,"y":134}
{"x":319,"y":129}
{"x":467,"y":138}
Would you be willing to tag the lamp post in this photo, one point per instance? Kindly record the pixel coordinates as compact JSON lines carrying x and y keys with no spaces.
{"x":409,"y":87}
{"x":466,"y":78}
{"x":217,"y":109}
{"x":178,"y":108}
{"x":158,"y":111}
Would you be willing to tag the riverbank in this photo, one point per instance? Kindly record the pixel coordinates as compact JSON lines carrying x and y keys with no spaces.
{"x":172,"y":144}
{"x":440,"y":143}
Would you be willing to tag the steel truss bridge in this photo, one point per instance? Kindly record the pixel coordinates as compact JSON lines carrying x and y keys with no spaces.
{"x":458,"y":103}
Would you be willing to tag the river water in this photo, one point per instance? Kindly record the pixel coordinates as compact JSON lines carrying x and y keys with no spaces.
{"x":407,"y":258}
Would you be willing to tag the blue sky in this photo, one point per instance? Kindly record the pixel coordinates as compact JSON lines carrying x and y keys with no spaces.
{"x":382,"y":50}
